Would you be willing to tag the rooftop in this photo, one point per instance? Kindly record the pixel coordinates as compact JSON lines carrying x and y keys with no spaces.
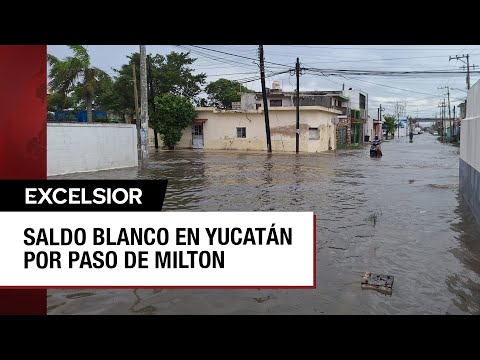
{"x":334,"y":93}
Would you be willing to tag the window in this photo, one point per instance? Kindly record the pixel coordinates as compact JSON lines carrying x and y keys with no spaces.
{"x":275,"y":103}
{"x":362,"y":101}
{"x":241,"y":132}
{"x":259,"y":106}
{"x":313,"y":134}
{"x":198,"y":130}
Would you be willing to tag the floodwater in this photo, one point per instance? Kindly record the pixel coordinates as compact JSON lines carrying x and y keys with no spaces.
{"x":398,"y":215}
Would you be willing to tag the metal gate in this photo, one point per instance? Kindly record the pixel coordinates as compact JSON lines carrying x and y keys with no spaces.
{"x":356,"y":133}
{"x":343,"y":136}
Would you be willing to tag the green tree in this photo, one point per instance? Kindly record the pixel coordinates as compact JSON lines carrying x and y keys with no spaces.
{"x":169,"y":74}
{"x":121,"y":97}
{"x":173,"y":114}
{"x":391,"y":124}
{"x":75,"y":72}
{"x":59,"y":102}
{"x":172,"y":74}
{"x":223,"y":92}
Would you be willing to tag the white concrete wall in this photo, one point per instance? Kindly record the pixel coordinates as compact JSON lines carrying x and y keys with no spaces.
{"x":90,"y":147}
{"x":470,"y":129}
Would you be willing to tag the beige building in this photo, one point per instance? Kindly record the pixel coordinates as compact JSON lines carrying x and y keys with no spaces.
{"x":216,"y":129}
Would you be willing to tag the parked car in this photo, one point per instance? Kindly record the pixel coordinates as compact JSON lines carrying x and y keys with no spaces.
{"x":435,"y":133}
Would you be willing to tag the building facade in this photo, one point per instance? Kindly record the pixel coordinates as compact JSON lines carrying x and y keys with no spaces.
{"x":353,"y":126}
{"x":217,"y":129}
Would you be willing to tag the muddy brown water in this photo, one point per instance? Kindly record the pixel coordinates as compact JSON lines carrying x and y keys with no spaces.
{"x":400,"y":215}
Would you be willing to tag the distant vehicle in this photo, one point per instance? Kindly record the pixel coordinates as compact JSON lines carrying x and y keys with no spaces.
{"x":435,"y":133}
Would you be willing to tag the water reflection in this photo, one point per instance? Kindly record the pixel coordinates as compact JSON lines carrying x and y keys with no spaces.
{"x":423,"y":233}
{"x":186,"y":178}
{"x":465,"y":282}
{"x":264,"y":198}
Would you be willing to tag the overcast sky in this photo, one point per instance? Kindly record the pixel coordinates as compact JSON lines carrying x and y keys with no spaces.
{"x":420,"y":94}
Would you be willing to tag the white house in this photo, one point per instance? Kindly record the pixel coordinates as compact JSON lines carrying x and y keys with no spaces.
{"x":217,"y":129}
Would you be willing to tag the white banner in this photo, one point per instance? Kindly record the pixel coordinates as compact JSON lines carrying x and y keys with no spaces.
{"x":157,"y":249}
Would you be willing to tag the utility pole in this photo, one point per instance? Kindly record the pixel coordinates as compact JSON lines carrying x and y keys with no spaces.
{"x":400,"y":110}
{"x":297,"y":133}
{"x":449,"y":113}
{"x":380,"y":119}
{"x":265,"y":100}
{"x":467,"y":56}
{"x":442,"y":115}
{"x":152,"y":96}
{"x":144,"y":106}
{"x":448,"y":94}
{"x":378,"y":116}
{"x":397,"y":110}
{"x":444,"y":120}
{"x":454,"y":118}
{"x":137,"y":115}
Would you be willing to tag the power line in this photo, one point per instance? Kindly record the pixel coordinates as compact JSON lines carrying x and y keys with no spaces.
{"x":240,"y":56}
{"x":219,"y":59}
{"x":357,"y":72}
{"x":379,"y":59}
{"x":370,"y":48}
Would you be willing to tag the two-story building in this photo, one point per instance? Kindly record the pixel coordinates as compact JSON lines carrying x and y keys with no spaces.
{"x":353,"y":125}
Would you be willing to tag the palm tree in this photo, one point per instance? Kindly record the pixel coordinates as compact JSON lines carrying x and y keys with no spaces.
{"x":75,"y":70}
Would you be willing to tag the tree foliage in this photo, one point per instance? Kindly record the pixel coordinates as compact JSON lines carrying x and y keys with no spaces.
{"x":58,"y":102}
{"x":172,"y":74}
{"x":173,"y":114}
{"x":169,"y":74}
{"x":75,"y":74}
{"x":223,"y":92}
{"x":391,"y":124}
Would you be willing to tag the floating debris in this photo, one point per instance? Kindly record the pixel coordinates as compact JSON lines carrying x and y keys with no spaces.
{"x":373,"y":218}
{"x":261,"y":300}
{"x":79,"y":295}
{"x":337,"y":247}
{"x":380,"y":283}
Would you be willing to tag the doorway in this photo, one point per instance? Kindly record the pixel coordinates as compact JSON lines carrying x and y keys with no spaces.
{"x":197,"y":136}
{"x":356,"y":133}
{"x":342,"y":141}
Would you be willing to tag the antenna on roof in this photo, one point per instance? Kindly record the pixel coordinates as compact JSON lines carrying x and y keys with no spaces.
{"x":343,"y":86}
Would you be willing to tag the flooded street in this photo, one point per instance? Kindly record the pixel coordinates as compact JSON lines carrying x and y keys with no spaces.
{"x":400,"y":215}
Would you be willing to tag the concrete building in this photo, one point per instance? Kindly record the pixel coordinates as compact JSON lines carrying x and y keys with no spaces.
{"x":470,"y":152}
{"x":462,"y":109}
{"x":354,"y":127}
{"x":217,"y":129}
{"x":377,"y":128}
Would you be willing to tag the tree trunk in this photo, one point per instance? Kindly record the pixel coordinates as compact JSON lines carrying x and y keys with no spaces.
{"x":89,"y":108}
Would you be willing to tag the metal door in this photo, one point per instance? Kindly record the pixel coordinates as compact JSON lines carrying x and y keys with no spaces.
{"x":197,"y":136}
